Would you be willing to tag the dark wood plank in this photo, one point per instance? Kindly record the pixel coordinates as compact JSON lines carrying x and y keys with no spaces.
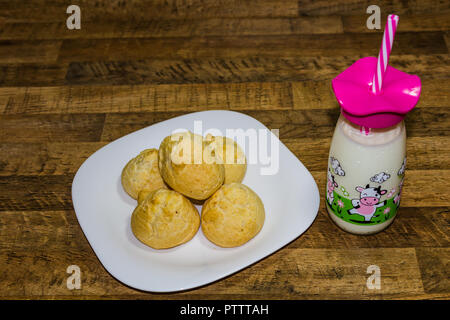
{"x":234,"y":296}
{"x":345,"y":7}
{"x":53,"y":158}
{"x":438,"y":21}
{"x":417,"y":123}
{"x":291,"y":124}
{"x":31,"y":74}
{"x":428,"y":152}
{"x":247,"y":46}
{"x":247,"y":296}
{"x":208,"y":70}
{"x":434,"y":92}
{"x":41,"y":230}
{"x":253,"y":69}
{"x":29,"y":51}
{"x":190,"y":97}
{"x":55,"y":10}
{"x":434,"y":264}
{"x":290,"y":273}
{"x":54,"y":128}
{"x":160,"y":28}
{"x":32,"y":11}
{"x":447,"y":39}
{"x":118,"y":125}
{"x":23,"y":273}
{"x":413,"y":227}
{"x":108,"y":99}
{"x":31,"y":193}
{"x":324,"y":273}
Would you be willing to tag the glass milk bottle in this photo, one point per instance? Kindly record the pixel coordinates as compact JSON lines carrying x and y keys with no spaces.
{"x":367,"y":159}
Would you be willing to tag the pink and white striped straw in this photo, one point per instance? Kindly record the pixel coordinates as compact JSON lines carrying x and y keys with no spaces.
{"x":385,"y":51}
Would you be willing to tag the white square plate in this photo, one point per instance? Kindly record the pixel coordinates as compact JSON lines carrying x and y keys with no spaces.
{"x":103,"y":209}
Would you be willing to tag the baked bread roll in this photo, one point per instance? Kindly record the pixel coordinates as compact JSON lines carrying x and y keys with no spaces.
{"x":188,"y":165}
{"x":231,"y":155}
{"x":232,"y":216}
{"x":165,"y":219}
{"x":142,"y":173}
{"x":142,"y":195}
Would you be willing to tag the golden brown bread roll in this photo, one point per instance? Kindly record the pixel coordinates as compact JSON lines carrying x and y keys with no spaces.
{"x":142,"y":173}
{"x":188,"y":165}
{"x":165,"y":219}
{"x":231,"y":155}
{"x":232,"y":216}
{"x":143,"y":194}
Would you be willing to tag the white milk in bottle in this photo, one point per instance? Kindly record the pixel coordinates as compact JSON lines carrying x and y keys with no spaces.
{"x":365,"y":176}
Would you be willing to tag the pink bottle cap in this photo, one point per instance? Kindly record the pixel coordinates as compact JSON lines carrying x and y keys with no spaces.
{"x":353,"y":91}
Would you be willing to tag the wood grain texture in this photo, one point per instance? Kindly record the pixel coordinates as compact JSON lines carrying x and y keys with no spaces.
{"x":44,"y":158}
{"x":175,"y":28}
{"x":64,"y":94}
{"x":435,"y":263}
{"x":29,"y":52}
{"x":245,"y":46}
{"x":345,"y":7}
{"x":253,"y":69}
{"x":51,"y":230}
{"x":32,"y":74}
{"x":422,"y":227}
{"x":447,"y":39}
{"x":55,"y":128}
{"x":288,"y":274}
{"x":109,"y":99}
{"x":55,"y":10}
{"x":424,"y":22}
{"x":36,"y":193}
{"x":189,"y":97}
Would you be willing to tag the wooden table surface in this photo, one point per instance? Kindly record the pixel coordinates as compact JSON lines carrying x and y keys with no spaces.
{"x":66,"y":93}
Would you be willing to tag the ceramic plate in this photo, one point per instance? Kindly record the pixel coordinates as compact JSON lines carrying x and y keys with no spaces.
{"x":103,"y":209}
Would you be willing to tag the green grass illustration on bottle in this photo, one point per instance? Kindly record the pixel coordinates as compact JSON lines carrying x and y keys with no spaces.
{"x":341,"y":207}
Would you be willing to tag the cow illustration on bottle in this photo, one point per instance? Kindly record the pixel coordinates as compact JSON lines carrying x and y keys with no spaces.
{"x":368,"y":202}
{"x":397,"y":197}
{"x":331,"y":185}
